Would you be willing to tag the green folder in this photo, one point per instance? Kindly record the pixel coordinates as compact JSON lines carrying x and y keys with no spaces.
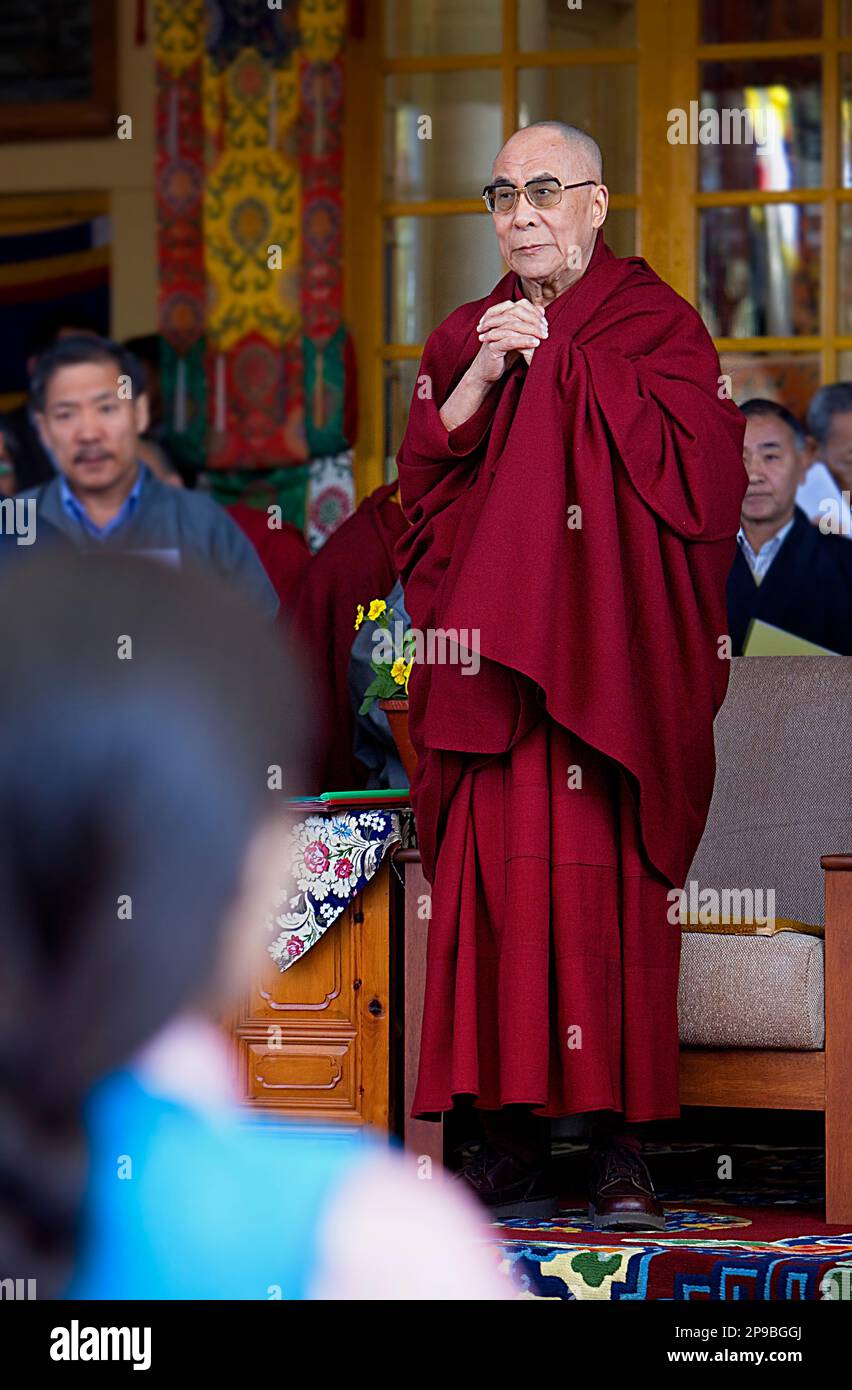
{"x":387,"y":794}
{"x":762,"y":639}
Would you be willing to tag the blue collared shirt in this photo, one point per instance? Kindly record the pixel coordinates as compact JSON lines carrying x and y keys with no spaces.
{"x":759,"y":562}
{"x":75,"y":509}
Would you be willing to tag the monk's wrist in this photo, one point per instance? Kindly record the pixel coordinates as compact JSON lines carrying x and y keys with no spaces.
{"x":476,"y":381}
{"x":464,"y":402}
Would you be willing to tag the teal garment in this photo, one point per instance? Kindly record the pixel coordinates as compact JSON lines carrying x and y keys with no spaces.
{"x":210,"y":1207}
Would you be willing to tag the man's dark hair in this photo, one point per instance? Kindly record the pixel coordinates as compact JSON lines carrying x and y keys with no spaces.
{"x":829,"y":401}
{"x":75,"y":352}
{"x":758,"y":407}
{"x":46,"y":330}
{"x":146,"y":346}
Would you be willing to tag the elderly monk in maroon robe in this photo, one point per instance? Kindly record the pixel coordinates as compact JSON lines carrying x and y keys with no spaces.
{"x":572,"y":474}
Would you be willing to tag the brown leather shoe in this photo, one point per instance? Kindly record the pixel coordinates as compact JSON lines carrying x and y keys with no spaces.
{"x":506,"y":1185}
{"x":621,"y":1193}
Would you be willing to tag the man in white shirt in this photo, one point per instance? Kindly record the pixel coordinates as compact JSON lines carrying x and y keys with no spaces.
{"x":827,"y":487}
{"x":787,"y":572}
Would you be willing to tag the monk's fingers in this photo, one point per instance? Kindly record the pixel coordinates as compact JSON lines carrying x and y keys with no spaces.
{"x":518,"y":314}
{"x":499,"y":340}
{"x":495,"y":311}
{"x":521,"y":315}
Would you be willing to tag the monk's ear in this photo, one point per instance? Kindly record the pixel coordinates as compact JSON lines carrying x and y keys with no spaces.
{"x":600,"y":207}
{"x":811,"y":448}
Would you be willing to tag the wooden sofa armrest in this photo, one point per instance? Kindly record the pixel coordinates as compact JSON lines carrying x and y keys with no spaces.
{"x":838,"y":1034}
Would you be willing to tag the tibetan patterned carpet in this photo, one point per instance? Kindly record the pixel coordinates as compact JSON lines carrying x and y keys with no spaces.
{"x":761,"y":1237}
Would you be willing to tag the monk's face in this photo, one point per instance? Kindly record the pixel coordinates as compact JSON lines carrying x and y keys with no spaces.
{"x":837,"y":453}
{"x":775,"y":465}
{"x":91,"y":429}
{"x":548,"y":247}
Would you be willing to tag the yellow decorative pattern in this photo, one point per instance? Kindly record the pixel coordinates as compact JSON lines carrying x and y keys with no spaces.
{"x":322,"y":24}
{"x":252,"y":201}
{"x":180,"y":33}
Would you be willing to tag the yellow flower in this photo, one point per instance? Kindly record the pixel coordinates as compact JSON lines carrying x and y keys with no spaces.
{"x":359,"y":617}
{"x":377,"y":607}
{"x":408,"y":673}
{"x":399,"y":671}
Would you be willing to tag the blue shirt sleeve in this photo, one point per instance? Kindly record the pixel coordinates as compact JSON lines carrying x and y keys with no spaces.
{"x":182,"y":1204}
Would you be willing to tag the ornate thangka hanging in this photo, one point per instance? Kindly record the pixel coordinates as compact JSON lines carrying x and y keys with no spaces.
{"x":264,"y":120}
{"x":180,"y":193}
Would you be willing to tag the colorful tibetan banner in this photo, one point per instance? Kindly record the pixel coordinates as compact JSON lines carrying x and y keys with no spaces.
{"x":180,"y":192}
{"x":250,"y":188}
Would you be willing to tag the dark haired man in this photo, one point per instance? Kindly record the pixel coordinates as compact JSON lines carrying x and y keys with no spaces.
{"x":786,"y":571}
{"x":88,"y":398}
{"x":30,"y":459}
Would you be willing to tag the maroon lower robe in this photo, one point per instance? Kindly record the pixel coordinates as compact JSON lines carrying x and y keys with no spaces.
{"x":355,"y":565}
{"x":552,"y":967}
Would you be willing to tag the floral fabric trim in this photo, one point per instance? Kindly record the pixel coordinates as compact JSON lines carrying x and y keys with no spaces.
{"x":330,"y":858}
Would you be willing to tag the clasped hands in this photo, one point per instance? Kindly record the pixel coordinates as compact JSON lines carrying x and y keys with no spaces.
{"x":505,"y":330}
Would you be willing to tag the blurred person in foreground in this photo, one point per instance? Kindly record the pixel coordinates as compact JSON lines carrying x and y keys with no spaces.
{"x":88,"y":395}
{"x":145,"y":782}
{"x":786,"y":572}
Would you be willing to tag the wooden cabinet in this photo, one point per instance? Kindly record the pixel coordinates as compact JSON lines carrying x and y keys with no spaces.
{"x":314,"y":1042}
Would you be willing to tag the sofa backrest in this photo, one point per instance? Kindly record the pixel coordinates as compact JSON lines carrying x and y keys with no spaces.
{"x":783,"y":792}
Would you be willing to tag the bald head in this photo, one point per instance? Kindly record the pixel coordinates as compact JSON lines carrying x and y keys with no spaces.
{"x":550,"y":247}
{"x":583,"y":153}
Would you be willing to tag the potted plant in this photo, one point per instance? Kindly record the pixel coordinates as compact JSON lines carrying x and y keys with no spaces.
{"x":391,"y":668}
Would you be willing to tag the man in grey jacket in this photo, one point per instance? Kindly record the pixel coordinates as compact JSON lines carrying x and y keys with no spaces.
{"x":88,"y":397}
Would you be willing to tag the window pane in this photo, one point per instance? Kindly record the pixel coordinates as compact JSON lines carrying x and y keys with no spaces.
{"x":442,"y":131}
{"x":425,"y":27}
{"x":759,"y":270}
{"x":788,"y":377}
{"x":746,"y":21}
{"x":433,"y":264}
{"x":768,"y":131}
{"x":844,"y":298}
{"x":399,"y":387}
{"x":846,"y":117}
{"x":620,"y":231}
{"x":600,"y":100}
{"x":547,"y":24}
{"x":846,"y":18}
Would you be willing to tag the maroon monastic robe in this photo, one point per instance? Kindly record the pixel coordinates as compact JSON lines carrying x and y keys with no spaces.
{"x":355,"y":565}
{"x":582,"y":523}
{"x":283,"y":551}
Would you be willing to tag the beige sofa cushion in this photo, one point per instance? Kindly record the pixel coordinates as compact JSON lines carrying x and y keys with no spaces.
{"x":752,"y":991}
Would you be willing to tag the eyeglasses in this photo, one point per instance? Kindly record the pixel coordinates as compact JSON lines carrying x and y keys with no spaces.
{"x":539,"y":193}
